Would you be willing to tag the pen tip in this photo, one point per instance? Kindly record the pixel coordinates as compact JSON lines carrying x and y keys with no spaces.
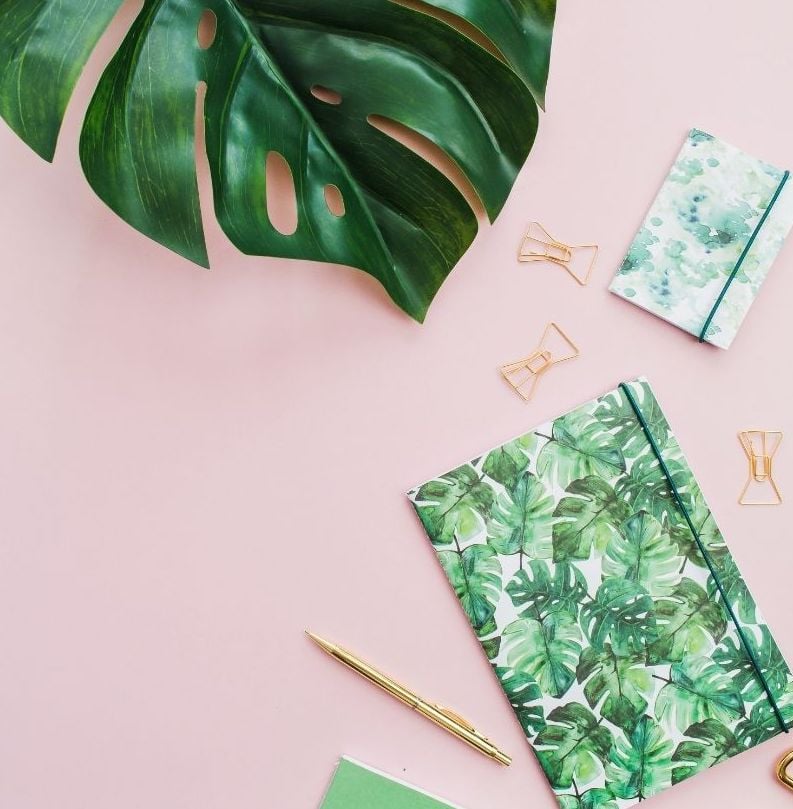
{"x":319,"y":641}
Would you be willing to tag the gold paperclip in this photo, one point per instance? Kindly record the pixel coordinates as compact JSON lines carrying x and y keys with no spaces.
{"x":539,"y":245}
{"x":524,"y":374}
{"x":781,"y":770}
{"x":760,"y":447}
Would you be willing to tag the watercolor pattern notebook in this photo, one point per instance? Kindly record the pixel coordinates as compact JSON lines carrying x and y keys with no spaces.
{"x":357,"y":786}
{"x":709,"y":239}
{"x":596,"y":605}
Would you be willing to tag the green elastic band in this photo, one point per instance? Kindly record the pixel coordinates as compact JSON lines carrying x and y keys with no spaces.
{"x":742,"y":257}
{"x":705,"y":555}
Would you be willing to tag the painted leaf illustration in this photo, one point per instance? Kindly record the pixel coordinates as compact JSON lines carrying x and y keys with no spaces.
{"x":489,"y":636}
{"x":523,"y":520}
{"x":641,"y":552}
{"x":621,"y":612}
{"x":591,"y":799}
{"x":525,"y":697}
{"x":475,"y":574}
{"x":580,"y":446}
{"x":534,"y":593}
{"x":507,"y":463}
{"x":761,"y":724}
{"x":733,"y":658}
{"x":403,"y":222}
{"x":617,"y":415}
{"x":689,"y":623}
{"x":573,"y":746}
{"x":454,"y":506}
{"x":734,"y":586}
{"x":714,"y":743}
{"x":708,"y":531}
{"x":641,"y":766}
{"x":698,"y":689}
{"x":645,"y":488}
{"x":547,"y":650}
{"x":625,"y":682}
{"x":587,"y":519}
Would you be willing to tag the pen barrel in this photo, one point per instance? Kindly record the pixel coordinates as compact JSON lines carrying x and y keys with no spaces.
{"x":378,"y":679}
{"x":467,"y":735}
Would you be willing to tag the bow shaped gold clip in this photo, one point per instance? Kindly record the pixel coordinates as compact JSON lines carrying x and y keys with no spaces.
{"x":760,"y":447}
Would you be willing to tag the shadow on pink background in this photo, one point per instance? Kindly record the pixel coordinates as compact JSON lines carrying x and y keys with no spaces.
{"x":197,"y":465}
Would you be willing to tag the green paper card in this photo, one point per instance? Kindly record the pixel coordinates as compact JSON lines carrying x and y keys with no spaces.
{"x":356,"y":786}
{"x":596,"y":608}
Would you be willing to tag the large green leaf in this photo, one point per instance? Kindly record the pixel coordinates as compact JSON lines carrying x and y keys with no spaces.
{"x":455,"y":506}
{"x":618,"y":416}
{"x":525,"y":697}
{"x":621,"y":612}
{"x":535,"y":593}
{"x":475,"y":574}
{"x":642,"y":552}
{"x":640,"y":765}
{"x":573,"y":746}
{"x":734,"y":586}
{"x":596,"y":798}
{"x":714,"y":744}
{"x":580,"y":446}
{"x":403,"y":221}
{"x":587,"y":519}
{"x":523,"y":520}
{"x":645,"y":487}
{"x":625,"y":682}
{"x":547,"y":650}
{"x":698,"y":689}
{"x":761,"y":724}
{"x":507,"y":463}
{"x":708,"y":531}
{"x":688,"y":621}
{"x":731,"y":655}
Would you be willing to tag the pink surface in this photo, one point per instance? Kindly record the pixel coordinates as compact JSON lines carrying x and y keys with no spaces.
{"x":196,"y":466}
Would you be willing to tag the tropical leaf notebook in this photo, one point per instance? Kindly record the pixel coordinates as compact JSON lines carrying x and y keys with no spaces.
{"x":601,"y":611}
{"x":708,"y":240}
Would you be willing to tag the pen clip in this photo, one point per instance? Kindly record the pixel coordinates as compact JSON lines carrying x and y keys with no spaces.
{"x":455,"y":717}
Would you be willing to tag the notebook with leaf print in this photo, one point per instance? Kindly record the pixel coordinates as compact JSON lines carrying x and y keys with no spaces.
{"x":626,"y":641}
{"x":709,"y":239}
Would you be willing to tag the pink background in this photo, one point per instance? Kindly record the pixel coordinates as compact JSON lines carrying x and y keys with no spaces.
{"x":198,"y":465}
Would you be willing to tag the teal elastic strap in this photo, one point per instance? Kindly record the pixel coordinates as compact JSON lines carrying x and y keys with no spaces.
{"x":742,"y":257}
{"x":705,"y":555}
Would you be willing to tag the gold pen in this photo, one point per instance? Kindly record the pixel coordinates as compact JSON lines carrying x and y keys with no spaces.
{"x":440,"y":716}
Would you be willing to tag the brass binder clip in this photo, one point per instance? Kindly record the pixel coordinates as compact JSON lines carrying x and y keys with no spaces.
{"x":524,"y":374}
{"x":760,"y":447}
{"x":539,"y":245}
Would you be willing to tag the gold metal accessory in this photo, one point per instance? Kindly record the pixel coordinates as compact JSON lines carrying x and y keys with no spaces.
{"x":760,"y":447}
{"x":443,"y":717}
{"x":524,"y":375}
{"x":781,"y":770}
{"x":539,"y":245}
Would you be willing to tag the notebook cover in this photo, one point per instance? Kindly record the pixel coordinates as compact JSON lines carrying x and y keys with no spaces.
{"x":596,"y":608}
{"x":693,"y":236}
{"x":357,"y":786}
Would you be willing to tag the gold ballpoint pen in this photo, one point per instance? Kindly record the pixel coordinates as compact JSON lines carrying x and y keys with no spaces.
{"x":440,"y":716}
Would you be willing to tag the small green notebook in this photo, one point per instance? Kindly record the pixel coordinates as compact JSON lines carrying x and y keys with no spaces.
{"x":357,"y":786}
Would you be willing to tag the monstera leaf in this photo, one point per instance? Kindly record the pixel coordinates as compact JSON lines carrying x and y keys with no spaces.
{"x":587,"y":519}
{"x":579,"y":447}
{"x":591,"y":799}
{"x":621,"y":612}
{"x":645,"y":488}
{"x":714,"y":743}
{"x":734,"y":587}
{"x":506,"y":463}
{"x":547,"y":650}
{"x":641,"y":552}
{"x":761,"y":724}
{"x":733,"y":658}
{"x":640,"y":766}
{"x":688,"y":621}
{"x":535,"y":594}
{"x":617,"y":415}
{"x":708,"y":531}
{"x":311,"y":81}
{"x":625,"y":682}
{"x":523,"y":520}
{"x":452,"y":507}
{"x":525,"y":697}
{"x":573,"y":746}
{"x":475,"y":574}
{"x":698,"y":689}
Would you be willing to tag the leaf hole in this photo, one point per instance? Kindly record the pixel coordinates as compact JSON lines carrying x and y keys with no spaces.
{"x":433,"y":154}
{"x":325,"y":94}
{"x":279,"y":186}
{"x":207,"y":29}
{"x":334,"y":200}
